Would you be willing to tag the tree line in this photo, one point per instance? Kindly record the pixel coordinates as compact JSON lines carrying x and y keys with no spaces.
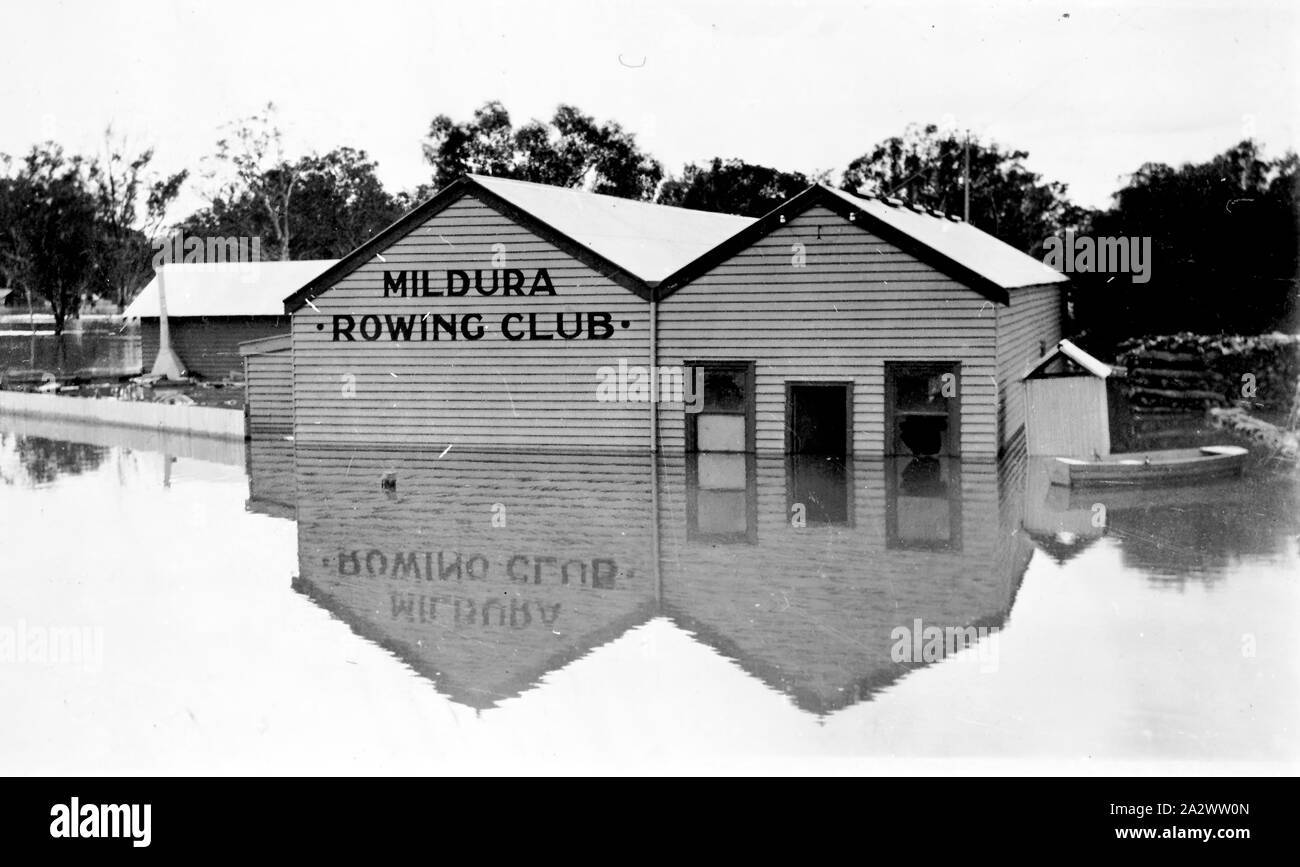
{"x":1224,"y":232}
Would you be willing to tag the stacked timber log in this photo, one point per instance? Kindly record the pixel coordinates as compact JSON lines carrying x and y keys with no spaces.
{"x":1190,"y":372}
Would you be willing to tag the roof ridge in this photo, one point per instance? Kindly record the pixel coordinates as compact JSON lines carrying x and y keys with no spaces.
{"x":610,"y":196}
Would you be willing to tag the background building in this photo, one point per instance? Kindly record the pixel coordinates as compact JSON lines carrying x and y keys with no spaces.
{"x":213,"y":307}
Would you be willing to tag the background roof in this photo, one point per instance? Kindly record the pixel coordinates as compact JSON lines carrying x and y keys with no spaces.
{"x":227,"y":289}
{"x":973,"y":248}
{"x":650,"y":241}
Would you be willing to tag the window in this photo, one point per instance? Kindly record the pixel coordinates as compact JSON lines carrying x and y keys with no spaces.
{"x":721,"y":498}
{"x":922,"y":408}
{"x":923,"y":503}
{"x":725,"y":422}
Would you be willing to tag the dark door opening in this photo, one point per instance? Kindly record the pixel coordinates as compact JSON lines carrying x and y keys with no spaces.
{"x":819,"y":418}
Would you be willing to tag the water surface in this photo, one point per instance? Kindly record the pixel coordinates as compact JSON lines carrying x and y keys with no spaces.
{"x":264,"y":610}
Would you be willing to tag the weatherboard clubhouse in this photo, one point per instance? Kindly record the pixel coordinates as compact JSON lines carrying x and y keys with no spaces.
{"x":836,"y":324}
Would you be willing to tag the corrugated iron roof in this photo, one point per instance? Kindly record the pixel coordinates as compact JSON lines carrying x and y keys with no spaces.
{"x":650,"y":241}
{"x":227,"y":288}
{"x":975,"y":249}
{"x":1067,"y":349}
{"x":265,"y":345}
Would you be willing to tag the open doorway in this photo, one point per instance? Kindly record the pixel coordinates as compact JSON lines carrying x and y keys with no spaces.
{"x":819,"y":418}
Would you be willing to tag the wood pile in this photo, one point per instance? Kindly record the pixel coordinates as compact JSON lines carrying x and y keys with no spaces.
{"x":1192,"y":372}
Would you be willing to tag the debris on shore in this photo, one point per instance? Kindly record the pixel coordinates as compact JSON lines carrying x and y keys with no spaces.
{"x":1279,"y":443}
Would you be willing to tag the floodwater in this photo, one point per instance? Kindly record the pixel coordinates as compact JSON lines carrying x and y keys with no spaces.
{"x":92,"y":346}
{"x":179,"y":605}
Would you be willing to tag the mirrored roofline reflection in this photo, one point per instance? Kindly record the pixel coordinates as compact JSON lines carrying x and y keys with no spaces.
{"x":485,"y":571}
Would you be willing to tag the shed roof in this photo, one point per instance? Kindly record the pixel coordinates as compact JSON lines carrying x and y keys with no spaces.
{"x":1067,"y":350}
{"x":227,"y":288}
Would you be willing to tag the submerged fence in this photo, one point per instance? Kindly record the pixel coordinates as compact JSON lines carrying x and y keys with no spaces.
{"x":206,"y":420}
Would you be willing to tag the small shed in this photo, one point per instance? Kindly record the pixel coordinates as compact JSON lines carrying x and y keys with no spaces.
{"x":268,"y":384}
{"x":1067,"y":412}
{"x":212,"y":307}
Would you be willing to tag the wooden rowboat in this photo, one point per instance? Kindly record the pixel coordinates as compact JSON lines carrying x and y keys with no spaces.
{"x":1161,"y":467}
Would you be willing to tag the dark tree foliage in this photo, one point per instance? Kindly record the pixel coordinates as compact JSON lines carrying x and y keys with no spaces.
{"x":1223,"y":249}
{"x":338,"y":203}
{"x":732,"y":187}
{"x":925,"y":165}
{"x":570,"y":150}
{"x":50,"y":230}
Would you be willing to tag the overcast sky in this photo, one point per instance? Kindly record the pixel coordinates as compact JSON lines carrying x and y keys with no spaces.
{"x":1091,"y":90}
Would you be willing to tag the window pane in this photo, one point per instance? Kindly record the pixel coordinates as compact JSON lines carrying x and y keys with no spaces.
{"x":919,"y":391}
{"x":719,"y":512}
{"x":724,"y":390}
{"x":720,"y":433}
{"x":721,"y":472}
{"x":924,"y":520}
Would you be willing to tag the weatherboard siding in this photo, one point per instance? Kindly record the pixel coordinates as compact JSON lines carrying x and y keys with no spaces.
{"x":1028,"y":327}
{"x":268,"y":383}
{"x":857,"y":303}
{"x":489,"y":393}
{"x":208,"y":347}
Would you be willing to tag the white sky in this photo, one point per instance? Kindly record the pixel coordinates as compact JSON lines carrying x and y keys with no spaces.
{"x":798,"y":85}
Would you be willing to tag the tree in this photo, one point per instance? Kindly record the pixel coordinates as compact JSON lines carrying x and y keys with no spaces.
{"x":571,"y":150}
{"x":732,"y":187}
{"x":341,"y":203}
{"x":338,"y":203}
{"x":49,"y":218}
{"x":118,"y":179}
{"x":925,"y":166}
{"x":1223,"y":248}
{"x":254,"y":152}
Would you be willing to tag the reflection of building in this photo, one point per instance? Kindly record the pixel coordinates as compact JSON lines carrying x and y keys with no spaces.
{"x":1062,"y":523}
{"x":270,"y":477}
{"x":484,"y":572}
{"x":481,"y":572}
{"x":809,"y":606}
